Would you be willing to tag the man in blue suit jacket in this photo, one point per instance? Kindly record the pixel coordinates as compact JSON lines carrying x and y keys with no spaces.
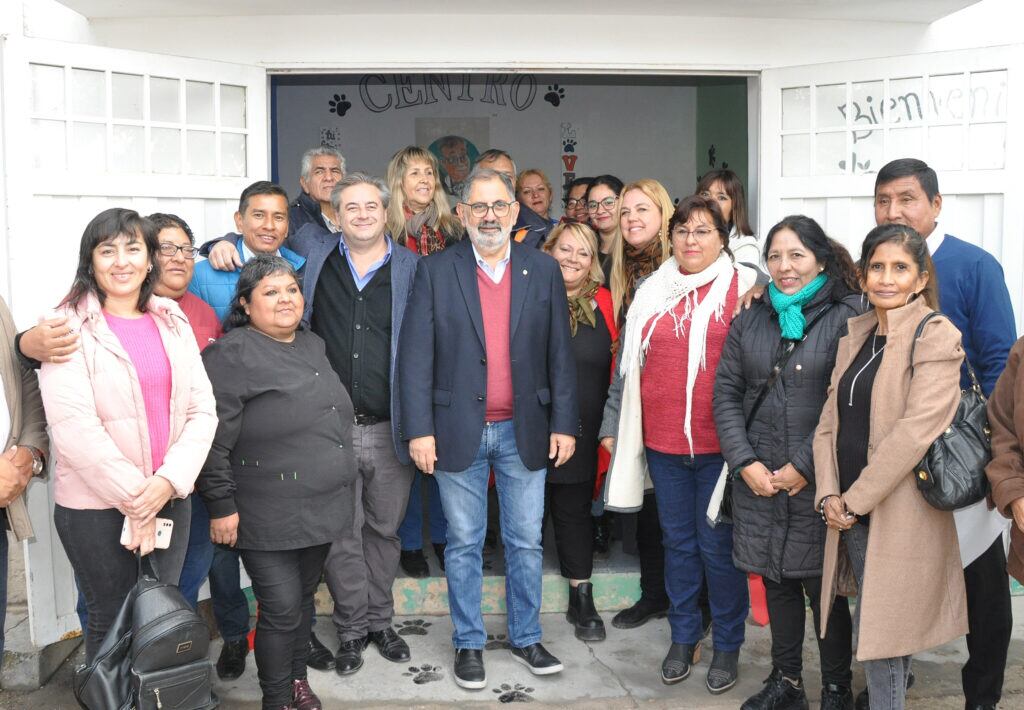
{"x":488,"y":381}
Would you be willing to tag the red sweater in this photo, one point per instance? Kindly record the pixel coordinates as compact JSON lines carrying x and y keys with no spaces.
{"x":663,"y":383}
{"x":203,"y":320}
{"x":496,"y":308}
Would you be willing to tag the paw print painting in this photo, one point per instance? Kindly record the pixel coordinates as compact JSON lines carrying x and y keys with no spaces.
{"x":412,"y":627}
{"x":424,"y":674}
{"x":569,"y":146}
{"x":496,"y":642}
{"x":517,"y":693}
{"x":339,"y":104}
{"x":555,"y":94}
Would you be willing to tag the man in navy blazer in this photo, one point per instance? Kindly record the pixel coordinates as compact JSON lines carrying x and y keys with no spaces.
{"x":488,"y":381}
{"x":356,"y":288}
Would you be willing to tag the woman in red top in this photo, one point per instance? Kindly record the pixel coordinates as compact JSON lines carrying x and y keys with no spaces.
{"x":418,"y":215}
{"x":673,"y":339}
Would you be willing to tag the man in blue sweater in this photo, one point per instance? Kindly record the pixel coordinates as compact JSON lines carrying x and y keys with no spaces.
{"x":972,"y":292}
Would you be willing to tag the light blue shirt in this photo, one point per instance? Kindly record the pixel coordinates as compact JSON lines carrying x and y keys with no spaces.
{"x":498,"y":271}
{"x":361,"y":281}
{"x":245,"y":254}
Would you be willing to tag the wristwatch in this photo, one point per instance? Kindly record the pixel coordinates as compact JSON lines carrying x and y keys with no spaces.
{"x":38,"y":465}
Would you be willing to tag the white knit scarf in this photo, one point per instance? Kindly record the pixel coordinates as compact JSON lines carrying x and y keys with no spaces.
{"x":660,"y":294}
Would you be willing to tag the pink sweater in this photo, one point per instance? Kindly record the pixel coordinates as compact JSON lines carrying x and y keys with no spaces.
{"x":496,"y":308}
{"x":141,"y":340}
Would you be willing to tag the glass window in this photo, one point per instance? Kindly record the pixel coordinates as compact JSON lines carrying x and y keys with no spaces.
{"x":796,"y":108}
{"x":232,"y":106}
{"x":201,"y":153}
{"x":906,"y":101}
{"x":127,"y":96}
{"x":128,"y":149}
{"x":945,"y":147}
{"x":199,"y":103}
{"x":232,"y":154}
{"x":89,"y":93}
{"x":50,"y":145}
{"x":988,"y":96}
{"x":88,"y":148}
{"x":946,"y":100}
{"x":830,"y":106}
{"x":47,"y":90}
{"x":165,"y":150}
{"x":987,"y":146}
{"x":830,"y":154}
{"x":796,"y":155}
{"x":164,"y":104}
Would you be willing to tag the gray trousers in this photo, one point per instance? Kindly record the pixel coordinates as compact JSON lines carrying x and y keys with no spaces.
{"x":362,"y":564}
{"x":886,"y":677}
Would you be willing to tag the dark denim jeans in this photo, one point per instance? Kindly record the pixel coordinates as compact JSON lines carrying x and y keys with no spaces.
{"x":230,"y":606}
{"x":694,"y":550}
{"x":411,"y":529}
{"x":199,"y":555}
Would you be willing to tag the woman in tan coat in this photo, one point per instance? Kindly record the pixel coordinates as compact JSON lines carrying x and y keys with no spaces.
{"x":876,"y":426}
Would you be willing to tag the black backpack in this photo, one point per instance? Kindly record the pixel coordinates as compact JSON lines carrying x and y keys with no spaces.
{"x":153,"y":656}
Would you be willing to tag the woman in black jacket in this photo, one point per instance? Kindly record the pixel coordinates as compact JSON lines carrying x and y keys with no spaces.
{"x":777,"y":533}
{"x":277,"y":479}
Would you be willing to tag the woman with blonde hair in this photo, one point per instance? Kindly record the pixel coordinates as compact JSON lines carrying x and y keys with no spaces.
{"x":533,"y":189}
{"x":419,"y":216}
{"x":641,"y":240}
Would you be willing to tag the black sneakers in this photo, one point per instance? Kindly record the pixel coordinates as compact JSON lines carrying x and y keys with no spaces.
{"x":231,"y":663}
{"x":778,"y":693}
{"x":639,"y":614}
{"x":537,"y":659}
{"x":469,"y":669}
{"x":836,"y":697}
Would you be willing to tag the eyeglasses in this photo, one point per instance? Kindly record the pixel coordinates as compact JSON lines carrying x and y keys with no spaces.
{"x":608,"y":203}
{"x":573,"y":203}
{"x":480,"y":209}
{"x":169,"y":250}
{"x":699,"y":234}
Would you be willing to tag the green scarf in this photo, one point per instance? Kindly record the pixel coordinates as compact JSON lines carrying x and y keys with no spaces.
{"x":790,"y":307}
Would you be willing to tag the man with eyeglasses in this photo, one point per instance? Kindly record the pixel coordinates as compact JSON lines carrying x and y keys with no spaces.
{"x":576,"y":201}
{"x":478,"y":310}
{"x":530,"y":228}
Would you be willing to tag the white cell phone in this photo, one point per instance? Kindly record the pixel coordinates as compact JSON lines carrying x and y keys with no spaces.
{"x":164,"y":528}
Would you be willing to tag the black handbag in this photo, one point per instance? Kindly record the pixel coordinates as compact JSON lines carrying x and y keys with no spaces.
{"x":104,"y":684}
{"x":952,"y":473}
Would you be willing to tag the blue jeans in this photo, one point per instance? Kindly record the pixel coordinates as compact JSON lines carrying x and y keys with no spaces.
{"x":230,"y":607}
{"x":695,"y":550}
{"x":199,"y":554}
{"x":411,"y":529}
{"x":521,"y":499}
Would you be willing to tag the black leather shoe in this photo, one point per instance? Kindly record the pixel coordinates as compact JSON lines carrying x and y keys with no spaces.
{"x":319,"y":657}
{"x":414,"y":563}
{"x":583,"y":614}
{"x":778,"y":693}
{"x":469,"y":669}
{"x":392,"y":646}
{"x":863,"y":703}
{"x":537,"y":659}
{"x":969,"y":706}
{"x":678,"y":661}
{"x":723,"y":672}
{"x":439,"y":551}
{"x":231,"y":663}
{"x":836,"y":697}
{"x":639,"y":614}
{"x":349,"y":657}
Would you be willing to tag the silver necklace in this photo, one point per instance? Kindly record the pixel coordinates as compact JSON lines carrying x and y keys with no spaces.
{"x":874,"y":354}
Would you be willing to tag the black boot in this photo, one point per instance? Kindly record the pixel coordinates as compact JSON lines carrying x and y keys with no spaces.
{"x":602,"y":536}
{"x":836,"y":697}
{"x":583,"y":615}
{"x":778,"y":693}
{"x":639,"y":614}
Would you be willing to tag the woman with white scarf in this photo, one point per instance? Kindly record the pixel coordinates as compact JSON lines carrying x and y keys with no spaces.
{"x":660,"y":414}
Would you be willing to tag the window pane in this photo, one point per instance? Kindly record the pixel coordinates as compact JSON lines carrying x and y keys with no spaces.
{"x":830,"y":154}
{"x":165,"y":147}
{"x":830,"y":103}
{"x":47,"y":89}
{"x":232,"y":106}
{"x":48,"y":142}
{"x":163,"y":100}
{"x":128,"y":154}
{"x":796,"y":155}
{"x":906,"y":142}
{"x":867,"y":151}
{"x":946,"y":101}
{"x":945,"y":147}
{"x":988,"y":146}
{"x":232,"y":154}
{"x":127,"y":91}
{"x":88,"y":149}
{"x":988,"y":96}
{"x":906,"y":101}
{"x":199,"y":102}
{"x":89,"y":93}
{"x":866,"y":100}
{"x":201,"y":153}
{"x":796,"y":108}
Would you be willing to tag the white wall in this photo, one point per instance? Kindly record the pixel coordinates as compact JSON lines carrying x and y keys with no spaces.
{"x":553,"y":42}
{"x":641,"y":128}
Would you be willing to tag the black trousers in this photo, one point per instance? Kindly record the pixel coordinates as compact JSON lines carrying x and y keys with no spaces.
{"x":283,"y":582}
{"x":990,"y":621}
{"x":652,"y":553}
{"x":104,"y":570}
{"x":568,"y":504}
{"x":788,"y":614}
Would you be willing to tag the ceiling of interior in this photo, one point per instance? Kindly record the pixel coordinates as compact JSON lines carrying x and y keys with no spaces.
{"x":923,"y":11}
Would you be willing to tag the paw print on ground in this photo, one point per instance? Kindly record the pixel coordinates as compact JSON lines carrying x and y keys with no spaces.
{"x":517,"y":693}
{"x":339,"y":104}
{"x":496,"y":642}
{"x":425,"y":674}
{"x":413,"y":627}
{"x":568,"y":146}
{"x":555,"y":94}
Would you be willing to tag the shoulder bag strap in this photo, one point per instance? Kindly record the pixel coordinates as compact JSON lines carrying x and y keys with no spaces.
{"x":920,"y":330}
{"x":788,"y":348}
